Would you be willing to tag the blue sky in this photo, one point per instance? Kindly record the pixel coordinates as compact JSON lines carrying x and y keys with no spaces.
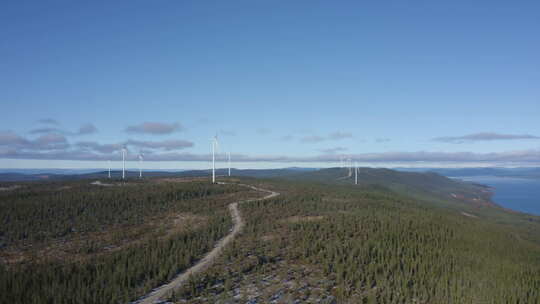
{"x":410,"y":83}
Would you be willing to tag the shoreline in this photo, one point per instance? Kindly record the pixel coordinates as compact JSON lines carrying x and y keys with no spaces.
{"x":516,"y":201}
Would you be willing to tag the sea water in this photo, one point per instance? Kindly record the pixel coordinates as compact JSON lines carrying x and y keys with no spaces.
{"x":520,"y":194}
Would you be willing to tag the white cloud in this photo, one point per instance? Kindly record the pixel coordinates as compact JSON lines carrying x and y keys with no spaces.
{"x":156,"y":128}
{"x":338,"y":135}
{"x":312,"y":139}
{"x":523,"y":156}
{"x":49,"y":121}
{"x":333,"y":150}
{"x":166,"y":144}
{"x":485,"y":136}
{"x":87,"y":128}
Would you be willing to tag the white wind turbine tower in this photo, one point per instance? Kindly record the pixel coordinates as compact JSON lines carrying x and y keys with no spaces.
{"x":229,"y":163}
{"x":214,"y":147}
{"x":124,"y":152}
{"x":355,"y":173}
{"x":140,"y":164}
{"x":109,"y":163}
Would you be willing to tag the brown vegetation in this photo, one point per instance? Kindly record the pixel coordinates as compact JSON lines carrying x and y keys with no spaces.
{"x":308,"y":218}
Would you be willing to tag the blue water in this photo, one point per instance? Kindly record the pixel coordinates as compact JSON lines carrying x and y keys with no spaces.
{"x":518,"y":194}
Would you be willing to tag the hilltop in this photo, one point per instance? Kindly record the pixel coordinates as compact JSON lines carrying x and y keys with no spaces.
{"x":422,"y":185}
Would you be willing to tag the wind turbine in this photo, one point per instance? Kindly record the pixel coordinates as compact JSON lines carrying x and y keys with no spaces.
{"x":229,"y":163}
{"x":124,"y":152}
{"x":215,"y":145}
{"x":355,"y":173}
{"x":140,"y":164}
{"x":109,"y":163}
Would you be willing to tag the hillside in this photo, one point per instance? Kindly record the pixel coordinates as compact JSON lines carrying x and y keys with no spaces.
{"x":432,"y":190}
{"x":421,"y":185}
{"x":321,"y":241}
{"x":59,"y":241}
{"x":342,"y":244}
{"x":532,"y":172}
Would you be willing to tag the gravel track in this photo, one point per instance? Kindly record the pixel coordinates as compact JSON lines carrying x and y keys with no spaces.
{"x":160,"y":293}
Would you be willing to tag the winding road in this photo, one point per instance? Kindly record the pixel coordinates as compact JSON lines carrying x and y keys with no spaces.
{"x":160,"y":293}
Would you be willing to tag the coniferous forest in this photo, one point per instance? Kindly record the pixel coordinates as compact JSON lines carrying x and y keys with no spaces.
{"x":370,"y":245}
{"x":103,"y":268}
{"x":280,"y":152}
{"x":71,"y":242}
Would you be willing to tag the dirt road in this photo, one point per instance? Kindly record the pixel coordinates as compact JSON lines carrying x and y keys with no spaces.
{"x":160,"y":293}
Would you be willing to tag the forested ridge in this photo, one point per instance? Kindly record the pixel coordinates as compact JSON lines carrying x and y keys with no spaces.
{"x":38,"y":214}
{"x":370,"y":246}
{"x":42,"y":213}
{"x":315,"y":243}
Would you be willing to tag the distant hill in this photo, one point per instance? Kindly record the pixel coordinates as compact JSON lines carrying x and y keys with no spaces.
{"x":18,"y":177}
{"x":41,"y":175}
{"x":425,"y":186}
{"x":532,"y":172}
{"x":420,"y":185}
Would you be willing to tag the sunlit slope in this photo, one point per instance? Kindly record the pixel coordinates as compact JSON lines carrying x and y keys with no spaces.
{"x":433,"y":190}
{"x":329,"y":243}
{"x":420,"y":185}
